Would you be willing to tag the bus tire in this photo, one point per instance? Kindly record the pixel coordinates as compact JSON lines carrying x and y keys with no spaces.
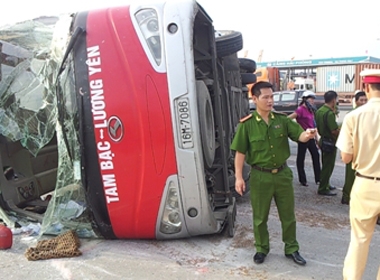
{"x":247,"y":65}
{"x":206,"y":123}
{"x":228,"y":42}
{"x":248,"y":78}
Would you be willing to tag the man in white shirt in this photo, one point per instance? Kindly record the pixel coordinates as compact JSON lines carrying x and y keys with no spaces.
{"x":358,"y":142}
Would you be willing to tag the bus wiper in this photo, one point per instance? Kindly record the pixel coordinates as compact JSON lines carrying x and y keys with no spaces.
{"x":77,"y":32}
{"x":60,"y":103}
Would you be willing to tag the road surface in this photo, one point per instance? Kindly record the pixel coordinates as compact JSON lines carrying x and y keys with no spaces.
{"x":323,"y":233}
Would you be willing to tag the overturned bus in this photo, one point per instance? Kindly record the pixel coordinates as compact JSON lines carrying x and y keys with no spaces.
{"x":123,"y":130}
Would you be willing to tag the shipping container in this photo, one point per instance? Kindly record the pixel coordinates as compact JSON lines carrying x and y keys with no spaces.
{"x":358,"y":69}
{"x":267,"y":74}
{"x":338,"y":78}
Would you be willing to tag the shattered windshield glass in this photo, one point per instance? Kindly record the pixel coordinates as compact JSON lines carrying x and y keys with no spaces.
{"x":40,"y":157}
{"x":27,"y":106}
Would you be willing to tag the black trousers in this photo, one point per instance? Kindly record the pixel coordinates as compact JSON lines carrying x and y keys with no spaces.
{"x":301,"y":153}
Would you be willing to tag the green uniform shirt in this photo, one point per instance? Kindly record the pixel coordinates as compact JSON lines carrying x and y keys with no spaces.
{"x":266,"y":145}
{"x":331,"y":121}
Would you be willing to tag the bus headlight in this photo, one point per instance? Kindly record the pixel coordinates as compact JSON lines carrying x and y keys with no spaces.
{"x":171,"y":221}
{"x":148,"y":23}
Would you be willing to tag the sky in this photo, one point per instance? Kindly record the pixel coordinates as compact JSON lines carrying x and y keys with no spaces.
{"x":280,"y":30}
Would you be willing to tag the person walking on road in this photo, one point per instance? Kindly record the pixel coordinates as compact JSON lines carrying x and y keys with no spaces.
{"x":328,"y":129}
{"x":359,"y":142}
{"x":360,"y":99}
{"x":304,"y":115}
{"x":262,"y":141}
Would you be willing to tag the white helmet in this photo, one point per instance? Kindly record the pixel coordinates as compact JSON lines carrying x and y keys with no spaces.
{"x":308,"y":93}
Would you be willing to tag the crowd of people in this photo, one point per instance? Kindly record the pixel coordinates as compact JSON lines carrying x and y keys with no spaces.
{"x":328,"y":129}
{"x":261,"y":141}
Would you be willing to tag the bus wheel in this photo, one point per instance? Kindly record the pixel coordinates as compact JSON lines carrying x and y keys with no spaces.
{"x":248,"y":78}
{"x":247,"y":65}
{"x":206,"y":122}
{"x":228,"y":42}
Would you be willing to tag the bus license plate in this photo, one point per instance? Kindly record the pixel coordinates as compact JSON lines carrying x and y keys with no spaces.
{"x":184,"y":119}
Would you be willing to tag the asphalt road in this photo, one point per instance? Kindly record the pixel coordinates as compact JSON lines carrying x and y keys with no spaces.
{"x":322,"y":227}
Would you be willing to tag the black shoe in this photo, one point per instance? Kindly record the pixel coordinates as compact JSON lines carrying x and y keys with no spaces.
{"x":259,"y":257}
{"x":304,"y":184}
{"x":345,"y":201}
{"x":332,"y":188}
{"x":296,"y":258}
{"x":328,"y":193}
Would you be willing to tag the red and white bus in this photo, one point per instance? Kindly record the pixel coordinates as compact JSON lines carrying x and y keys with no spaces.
{"x":149,"y":97}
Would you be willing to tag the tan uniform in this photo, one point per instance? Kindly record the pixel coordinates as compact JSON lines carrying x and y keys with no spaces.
{"x":360,"y":136}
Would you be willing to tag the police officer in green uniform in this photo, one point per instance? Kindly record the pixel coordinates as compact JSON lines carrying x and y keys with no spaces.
{"x":327,"y":126}
{"x":262,"y":141}
{"x":360,"y":99}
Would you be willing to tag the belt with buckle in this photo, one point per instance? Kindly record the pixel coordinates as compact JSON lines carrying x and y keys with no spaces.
{"x":367,"y":177}
{"x":269,"y":170}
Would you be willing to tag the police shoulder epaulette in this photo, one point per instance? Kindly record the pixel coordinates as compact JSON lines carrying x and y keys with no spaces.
{"x":246,"y":118}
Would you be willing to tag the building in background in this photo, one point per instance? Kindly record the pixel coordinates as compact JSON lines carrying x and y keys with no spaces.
{"x":338,"y":74}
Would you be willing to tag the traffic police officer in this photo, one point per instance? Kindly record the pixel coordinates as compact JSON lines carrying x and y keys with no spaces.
{"x":359,"y":142}
{"x":262,"y":140}
{"x":328,"y":128}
